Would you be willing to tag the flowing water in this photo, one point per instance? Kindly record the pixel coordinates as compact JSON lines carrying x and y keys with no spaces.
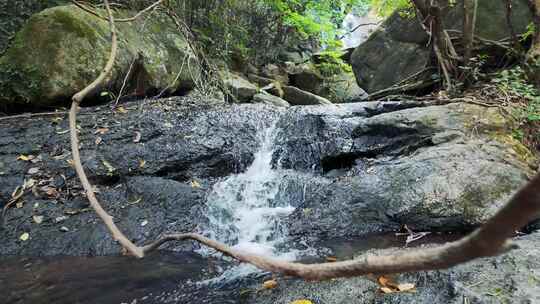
{"x":243,"y":212}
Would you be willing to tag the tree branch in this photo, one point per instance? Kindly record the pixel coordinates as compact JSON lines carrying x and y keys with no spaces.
{"x":76,"y":100}
{"x":489,"y":240}
{"x":130,"y":19}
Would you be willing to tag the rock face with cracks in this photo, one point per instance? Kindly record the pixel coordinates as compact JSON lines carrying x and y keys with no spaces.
{"x":400,"y":48}
{"x":349,"y":169}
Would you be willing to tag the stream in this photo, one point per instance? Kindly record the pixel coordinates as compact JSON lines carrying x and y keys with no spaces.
{"x":243,"y":212}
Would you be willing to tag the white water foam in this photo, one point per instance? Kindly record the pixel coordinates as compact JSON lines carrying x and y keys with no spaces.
{"x":242,"y":211}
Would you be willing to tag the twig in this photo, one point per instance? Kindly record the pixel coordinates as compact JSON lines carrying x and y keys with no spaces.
{"x":77,"y":98}
{"x":489,"y":240}
{"x":130,"y":19}
{"x":10,"y":203}
{"x":357,"y":27}
{"x":28,"y":115}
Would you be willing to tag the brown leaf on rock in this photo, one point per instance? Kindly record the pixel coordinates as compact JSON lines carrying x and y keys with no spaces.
{"x":101,"y":131}
{"x":25,"y":157}
{"x":331,"y":259}
{"x":138,"y":137}
{"x":270,"y":284}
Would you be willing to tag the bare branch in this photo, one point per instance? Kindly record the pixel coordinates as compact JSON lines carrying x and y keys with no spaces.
{"x":77,"y":98}
{"x":489,"y":240}
{"x":130,"y":19}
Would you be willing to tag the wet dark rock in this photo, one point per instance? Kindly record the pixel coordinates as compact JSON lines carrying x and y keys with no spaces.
{"x":509,"y":278}
{"x":348,"y":169}
{"x":438,"y":168}
{"x":139,"y":180}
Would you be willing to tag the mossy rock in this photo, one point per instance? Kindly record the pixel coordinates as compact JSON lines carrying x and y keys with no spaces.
{"x":62,"y":49}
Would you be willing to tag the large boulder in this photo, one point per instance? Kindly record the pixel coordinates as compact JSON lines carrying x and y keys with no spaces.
{"x":144,"y":162}
{"x":270,"y":100}
{"x":398,"y":49}
{"x":510,"y":278}
{"x":62,"y":49}
{"x":436,"y":168}
{"x":295,"y":96}
{"x":239,"y":88}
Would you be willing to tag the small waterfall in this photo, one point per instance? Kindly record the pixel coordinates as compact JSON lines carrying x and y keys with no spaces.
{"x":242,"y":211}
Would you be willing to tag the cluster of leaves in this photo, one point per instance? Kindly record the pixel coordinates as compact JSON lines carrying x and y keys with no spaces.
{"x":387,"y":7}
{"x":331,"y":63}
{"x":513,"y":82}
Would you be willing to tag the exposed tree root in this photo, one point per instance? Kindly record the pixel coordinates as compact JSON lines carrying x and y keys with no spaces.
{"x":489,"y":240}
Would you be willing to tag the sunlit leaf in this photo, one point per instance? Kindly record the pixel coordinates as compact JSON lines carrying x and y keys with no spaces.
{"x":142,"y":163}
{"x":38,"y":219}
{"x":387,"y":290}
{"x":109,"y":167}
{"x":101,"y":131}
{"x":270,"y":284}
{"x":121,"y":110}
{"x":331,"y":259}
{"x":138,"y":136}
{"x":24,"y":237}
{"x":406,"y":287}
{"x":25,"y":157}
{"x":195,"y":184}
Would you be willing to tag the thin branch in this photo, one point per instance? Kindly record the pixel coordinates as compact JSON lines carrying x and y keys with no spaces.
{"x":130,"y":19}
{"x":28,"y":115}
{"x":489,"y":240}
{"x":357,"y":27}
{"x":77,"y":98}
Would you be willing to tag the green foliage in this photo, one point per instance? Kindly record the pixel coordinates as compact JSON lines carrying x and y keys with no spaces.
{"x":387,"y":7}
{"x":514,"y":83}
{"x":316,"y":19}
{"x":332,"y":64}
{"x":529,"y":32}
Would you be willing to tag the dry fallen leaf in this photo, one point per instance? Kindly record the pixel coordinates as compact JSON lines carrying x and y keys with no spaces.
{"x":25,"y":157}
{"x":38,"y":219}
{"x":383,"y":281}
{"x":387,"y":290}
{"x":331,"y":259}
{"x":121,"y":110}
{"x":406,"y":287}
{"x":109,"y":167}
{"x":101,"y":131}
{"x":390,"y":286}
{"x":270,"y":284}
{"x":142,"y":163}
{"x":138,"y":136}
{"x":19,"y":204}
{"x":98,"y":140}
{"x":195,"y":184}
{"x":24,"y":237}
{"x":302,"y":302}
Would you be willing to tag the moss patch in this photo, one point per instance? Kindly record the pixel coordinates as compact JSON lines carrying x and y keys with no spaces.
{"x":62,"y":49}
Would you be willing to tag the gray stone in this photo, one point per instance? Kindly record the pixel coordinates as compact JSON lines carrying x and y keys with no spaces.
{"x":295,"y":96}
{"x":510,"y":278}
{"x":306,"y":77}
{"x":270,"y":100}
{"x":398,"y":49}
{"x":241,"y":89}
